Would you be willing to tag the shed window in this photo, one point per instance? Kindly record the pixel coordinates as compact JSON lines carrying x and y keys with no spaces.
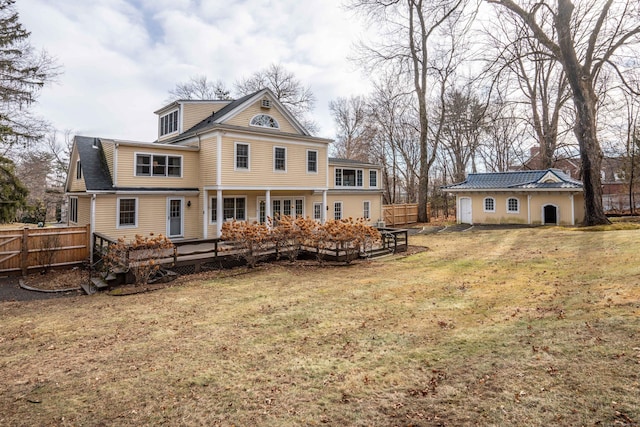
{"x":489,"y":204}
{"x":513,"y":205}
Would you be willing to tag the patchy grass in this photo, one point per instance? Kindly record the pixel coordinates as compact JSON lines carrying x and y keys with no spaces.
{"x":516,"y":327}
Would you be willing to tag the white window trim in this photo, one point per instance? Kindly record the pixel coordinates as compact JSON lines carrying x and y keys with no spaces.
{"x":377,"y":177}
{"x":281,"y":199}
{"x":213,"y":207}
{"x":235,"y":157}
{"x":317,"y":162}
{"x":285,"y":160}
{"x":338,"y":202}
{"x":118,"y":226}
{"x":342,"y":178}
{"x":484,"y":204}
{"x":135,"y":165}
{"x":369,"y":208}
{"x":162,"y":135}
{"x":507,"y":205}
{"x":70,"y":210}
{"x":264,"y":127}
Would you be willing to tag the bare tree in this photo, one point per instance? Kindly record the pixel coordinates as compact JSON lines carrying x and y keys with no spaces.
{"x":408,"y":28}
{"x":199,"y":87}
{"x":583,"y":40}
{"x":351,"y":117}
{"x":299,"y":99}
{"x":540,"y":81}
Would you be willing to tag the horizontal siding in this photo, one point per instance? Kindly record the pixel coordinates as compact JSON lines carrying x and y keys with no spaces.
{"x":75,"y":184}
{"x":207,"y":161}
{"x":152,"y":216}
{"x":244,"y":117}
{"x":353,"y":206}
{"x":126,"y":168}
{"x":194,"y":113}
{"x":261,"y":171}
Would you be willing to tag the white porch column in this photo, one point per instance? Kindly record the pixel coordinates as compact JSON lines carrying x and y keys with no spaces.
{"x":529,"y":209}
{"x":219,"y":213}
{"x":323,"y":217}
{"x":205,"y":215}
{"x":267,"y":205}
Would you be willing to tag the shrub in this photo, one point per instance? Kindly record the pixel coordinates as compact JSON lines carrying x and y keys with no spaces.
{"x":251,"y":240}
{"x":139,"y":256}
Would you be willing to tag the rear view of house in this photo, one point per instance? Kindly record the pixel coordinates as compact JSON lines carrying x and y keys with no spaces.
{"x":215,"y":161}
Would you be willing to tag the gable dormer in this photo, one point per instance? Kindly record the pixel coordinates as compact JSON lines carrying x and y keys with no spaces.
{"x":549,"y":177}
{"x":182,"y":115}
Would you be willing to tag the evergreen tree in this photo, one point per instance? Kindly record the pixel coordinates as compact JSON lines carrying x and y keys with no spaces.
{"x":13,"y":194}
{"x":23,"y":72}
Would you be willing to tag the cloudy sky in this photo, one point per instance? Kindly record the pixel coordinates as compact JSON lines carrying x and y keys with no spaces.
{"x":121,"y":57}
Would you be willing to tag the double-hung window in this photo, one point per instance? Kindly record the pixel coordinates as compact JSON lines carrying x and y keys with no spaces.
{"x":366,"y":209}
{"x":317,"y":211}
{"x":279,"y":159}
{"x":127,"y":212}
{"x":232,"y":208}
{"x":337,"y":211}
{"x":312,"y":161}
{"x":242,"y":156}
{"x":158,"y":165}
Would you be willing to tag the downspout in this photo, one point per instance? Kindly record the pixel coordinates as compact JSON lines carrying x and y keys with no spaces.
{"x":573,"y":212}
{"x":115,"y":165}
{"x":92,"y":228}
{"x":529,"y":209}
{"x":219,"y":205}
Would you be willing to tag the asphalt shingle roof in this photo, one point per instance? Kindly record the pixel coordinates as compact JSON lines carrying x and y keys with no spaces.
{"x":94,"y":167}
{"x":516,"y":180}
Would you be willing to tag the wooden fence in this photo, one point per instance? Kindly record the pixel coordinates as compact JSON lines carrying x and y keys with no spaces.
{"x":400,"y":214}
{"x":32,"y":248}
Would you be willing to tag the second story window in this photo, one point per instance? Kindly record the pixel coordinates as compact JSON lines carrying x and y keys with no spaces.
{"x":279,"y":158}
{"x":158,"y":165}
{"x":373,"y":179}
{"x":312,"y":161}
{"x":348,"y":178}
{"x":169,"y":123}
{"x":242,"y":156}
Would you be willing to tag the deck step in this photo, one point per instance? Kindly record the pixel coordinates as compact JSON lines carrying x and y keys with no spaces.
{"x":109,"y":277}
{"x":89,"y":288}
{"x":99,"y":283}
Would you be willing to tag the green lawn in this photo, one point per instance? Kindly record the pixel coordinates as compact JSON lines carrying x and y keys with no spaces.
{"x":513,"y":327}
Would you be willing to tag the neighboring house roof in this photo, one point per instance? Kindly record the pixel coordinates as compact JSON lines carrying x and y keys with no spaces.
{"x":94,"y":167}
{"x":549,"y":179}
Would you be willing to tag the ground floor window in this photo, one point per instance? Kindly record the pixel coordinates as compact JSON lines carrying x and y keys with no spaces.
{"x":489,"y":204}
{"x":293,"y":207}
{"x":337,"y":211}
{"x":73,"y":209}
{"x":127,"y":212}
{"x":366,"y":209}
{"x":232,"y":208}
{"x":513,"y":205}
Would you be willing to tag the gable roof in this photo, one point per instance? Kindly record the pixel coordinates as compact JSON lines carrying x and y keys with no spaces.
{"x":217,"y":118}
{"x":549,"y":179}
{"x":350,"y":162}
{"x":94,"y":167}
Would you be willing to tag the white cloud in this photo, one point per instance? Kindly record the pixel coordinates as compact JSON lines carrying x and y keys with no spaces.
{"x":120,"y":58}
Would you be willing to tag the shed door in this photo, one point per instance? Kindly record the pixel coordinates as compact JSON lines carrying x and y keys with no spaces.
{"x":550,"y":213}
{"x":465,"y":211}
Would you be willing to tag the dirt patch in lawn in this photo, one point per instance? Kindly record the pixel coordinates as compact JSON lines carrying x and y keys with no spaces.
{"x":55,"y":280}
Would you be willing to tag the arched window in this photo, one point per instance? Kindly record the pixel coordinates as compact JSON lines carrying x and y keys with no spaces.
{"x":513,"y":205}
{"x":265,"y":121}
{"x":489,"y":204}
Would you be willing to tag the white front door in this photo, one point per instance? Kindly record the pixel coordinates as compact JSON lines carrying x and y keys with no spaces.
{"x":174,"y":217}
{"x":465,"y":211}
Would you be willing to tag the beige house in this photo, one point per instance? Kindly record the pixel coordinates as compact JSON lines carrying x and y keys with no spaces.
{"x":214,"y":161}
{"x":540,"y":197}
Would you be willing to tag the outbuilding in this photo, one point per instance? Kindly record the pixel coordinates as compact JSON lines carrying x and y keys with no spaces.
{"x":536,"y":197}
